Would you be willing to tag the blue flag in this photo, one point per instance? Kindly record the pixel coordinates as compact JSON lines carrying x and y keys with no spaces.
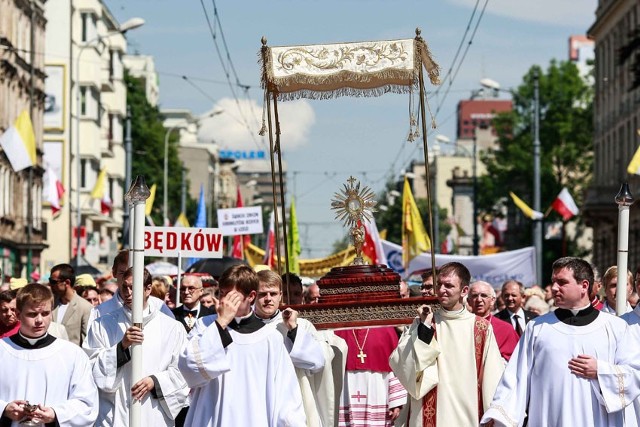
{"x":201,"y":219}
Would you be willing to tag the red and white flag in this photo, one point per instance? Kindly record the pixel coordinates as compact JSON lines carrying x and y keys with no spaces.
{"x":239,"y":242}
{"x":372,"y":247}
{"x":565,"y":205}
{"x":54,"y":190}
{"x":270,"y":247}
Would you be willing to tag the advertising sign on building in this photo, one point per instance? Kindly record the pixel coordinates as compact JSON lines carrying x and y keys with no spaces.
{"x":238,"y":221}
{"x":190,"y":242}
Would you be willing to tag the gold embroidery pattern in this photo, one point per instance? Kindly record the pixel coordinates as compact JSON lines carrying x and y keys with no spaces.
{"x":198,"y":356}
{"x":319,"y":57}
{"x":359,"y":289}
{"x":620,"y":377}
{"x":504,"y":414}
{"x":360,"y":313}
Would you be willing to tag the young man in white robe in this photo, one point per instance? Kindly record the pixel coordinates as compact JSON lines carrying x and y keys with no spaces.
{"x":38,"y":369}
{"x":448,"y":360}
{"x":162,"y":391}
{"x":575,"y":366}
{"x":308,"y":353}
{"x":633,"y":320}
{"x":239,"y":370}
{"x":120,"y":266}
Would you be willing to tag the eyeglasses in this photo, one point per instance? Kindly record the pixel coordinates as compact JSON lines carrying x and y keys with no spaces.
{"x":483,"y":296}
{"x":55,"y":281}
{"x":426,"y":287}
{"x":190,"y":289}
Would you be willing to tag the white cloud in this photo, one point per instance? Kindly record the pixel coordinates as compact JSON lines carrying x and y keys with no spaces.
{"x":238,"y":125}
{"x":554,"y":12}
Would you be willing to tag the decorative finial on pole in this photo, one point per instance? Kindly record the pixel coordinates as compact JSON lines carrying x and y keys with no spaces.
{"x":264,"y":41}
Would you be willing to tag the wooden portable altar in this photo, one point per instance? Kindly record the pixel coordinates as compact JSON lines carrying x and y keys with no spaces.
{"x":361,"y":296}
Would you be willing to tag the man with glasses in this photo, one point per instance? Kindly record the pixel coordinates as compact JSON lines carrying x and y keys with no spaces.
{"x":427,"y":289}
{"x":481,"y":299}
{"x":191,"y":309}
{"x":70,"y":309}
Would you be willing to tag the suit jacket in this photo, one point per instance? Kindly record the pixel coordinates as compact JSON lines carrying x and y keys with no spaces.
{"x":506,"y":316}
{"x":76,"y":318}
{"x":178,"y":312}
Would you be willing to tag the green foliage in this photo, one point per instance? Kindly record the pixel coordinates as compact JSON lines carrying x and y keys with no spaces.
{"x":566,"y":150}
{"x":148,"y":135}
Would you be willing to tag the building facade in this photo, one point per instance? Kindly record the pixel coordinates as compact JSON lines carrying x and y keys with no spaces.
{"x":84,"y":130}
{"x":22,"y":77}
{"x":616,"y":33}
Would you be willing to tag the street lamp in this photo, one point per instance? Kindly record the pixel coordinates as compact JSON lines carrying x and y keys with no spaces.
{"x":126,"y":26}
{"x":165,"y":177}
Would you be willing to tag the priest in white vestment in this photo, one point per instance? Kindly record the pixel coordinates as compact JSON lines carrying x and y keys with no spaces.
{"x":239,"y":370}
{"x":575,"y":366}
{"x":162,"y":390}
{"x":308,"y":353}
{"x":448,"y":360}
{"x":633,"y":320}
{"x":38,"y":369}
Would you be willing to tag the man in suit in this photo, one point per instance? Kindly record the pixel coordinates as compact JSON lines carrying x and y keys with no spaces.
{"x":191,"y":309}
{"x":514,"y":314}
{"x":70,"y":309}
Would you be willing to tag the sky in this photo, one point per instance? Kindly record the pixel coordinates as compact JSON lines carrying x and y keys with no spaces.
{"x":326,"y":141}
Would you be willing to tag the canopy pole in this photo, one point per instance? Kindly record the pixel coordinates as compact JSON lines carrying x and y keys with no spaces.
{"x":276,"y":221}
{"x":426,"y":167}
{"x":282,"y":201}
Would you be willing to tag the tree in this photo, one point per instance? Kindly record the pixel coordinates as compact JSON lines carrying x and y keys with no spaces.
{"x":566,"y":131}
{"x":148,"y":133}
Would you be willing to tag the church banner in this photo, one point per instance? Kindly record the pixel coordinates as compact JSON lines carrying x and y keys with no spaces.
{"x":495,"y":269}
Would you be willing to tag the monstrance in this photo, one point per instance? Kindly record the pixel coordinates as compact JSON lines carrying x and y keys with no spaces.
{"x":353,"y":205}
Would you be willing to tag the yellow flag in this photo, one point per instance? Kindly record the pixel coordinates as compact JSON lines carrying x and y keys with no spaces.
{"x":182,"y":221}
{"x":293,"y":240}
{"x":634,"y":164}
{"x":414,"y":236}
{"x":25,"y":129}
{"x":148,"y":205}
{"x":98,"y":189}
{"x":526,"y":210}
{"x":19,"y":143}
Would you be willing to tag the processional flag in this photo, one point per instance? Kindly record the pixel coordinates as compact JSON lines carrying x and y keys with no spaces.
{"x":565,"y":205}
{"x":293,"y":240}
{"x":526,"y":210}
{"x":19,"y":143}
{"x":414,"y":236}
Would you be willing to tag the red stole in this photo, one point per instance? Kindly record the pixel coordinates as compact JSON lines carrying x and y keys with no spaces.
{"x":429,"y":402}
{"x":378,"y":346}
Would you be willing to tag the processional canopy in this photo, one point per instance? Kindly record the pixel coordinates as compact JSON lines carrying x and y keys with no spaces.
{"x":346,"y":69}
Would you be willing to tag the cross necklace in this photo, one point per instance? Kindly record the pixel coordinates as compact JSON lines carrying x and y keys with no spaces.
{"x":362,"y":355}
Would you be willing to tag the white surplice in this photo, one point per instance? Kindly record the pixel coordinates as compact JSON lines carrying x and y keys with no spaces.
{"x":251,"y":382}
{"x":163,"y":340}
{"x":448,"y":363}
{"x":309,"y":356}
{"x":56,"y":376}
{"x":632,"y":412}
{"x":538,"y":377}
{"x":330,"y":382}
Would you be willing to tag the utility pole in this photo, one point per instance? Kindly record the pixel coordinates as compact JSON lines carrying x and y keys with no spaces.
{"x":537,"y":229}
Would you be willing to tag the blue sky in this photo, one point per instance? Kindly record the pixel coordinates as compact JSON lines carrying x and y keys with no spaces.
{"x":326,"y":141}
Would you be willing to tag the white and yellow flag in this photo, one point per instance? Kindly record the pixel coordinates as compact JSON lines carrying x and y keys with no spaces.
{"x":19,"y":143}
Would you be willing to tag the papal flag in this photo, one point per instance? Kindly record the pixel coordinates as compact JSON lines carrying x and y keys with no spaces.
{"x":19,"y":143}
{"x":414,"y":236}
{"x":101,"y":192}
{"x":148,"y":204}
{"x":182,"y":221}
{"x":634,"y":164}
{"x":526,"y":210}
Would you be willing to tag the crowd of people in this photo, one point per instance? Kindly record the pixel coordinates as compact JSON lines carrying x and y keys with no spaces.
{"x":234,"y":352}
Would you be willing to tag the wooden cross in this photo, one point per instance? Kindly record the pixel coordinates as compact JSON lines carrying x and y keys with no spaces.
{"x":361,"y":356}
{"x":359,"y":396}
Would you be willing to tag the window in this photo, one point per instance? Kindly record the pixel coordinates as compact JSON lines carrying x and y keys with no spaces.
{"x":83,"y":101}
{"x":88,"y":23}
{"x":83,"y":173}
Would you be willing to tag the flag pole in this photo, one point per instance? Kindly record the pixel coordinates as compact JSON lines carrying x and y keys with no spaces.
{"x":426,"y":167}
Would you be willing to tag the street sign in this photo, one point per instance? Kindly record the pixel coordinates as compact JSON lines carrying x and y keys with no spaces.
{"x":239,"y":221}
{"x":187,"y":241}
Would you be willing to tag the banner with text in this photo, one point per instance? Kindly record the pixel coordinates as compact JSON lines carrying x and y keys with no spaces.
{"x":190,"y":242}
{"x":237,"y":221}
{"x":495,"y":269}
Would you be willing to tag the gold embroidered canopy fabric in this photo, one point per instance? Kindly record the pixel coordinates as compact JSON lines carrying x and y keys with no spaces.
{"x":353,"y":69}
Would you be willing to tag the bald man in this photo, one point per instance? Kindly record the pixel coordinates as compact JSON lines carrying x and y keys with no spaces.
{"x":481,"y":299}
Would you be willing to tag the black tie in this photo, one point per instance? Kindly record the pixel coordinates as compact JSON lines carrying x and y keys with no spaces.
{"x":518,"y":328}
{"x":192,"y":313}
